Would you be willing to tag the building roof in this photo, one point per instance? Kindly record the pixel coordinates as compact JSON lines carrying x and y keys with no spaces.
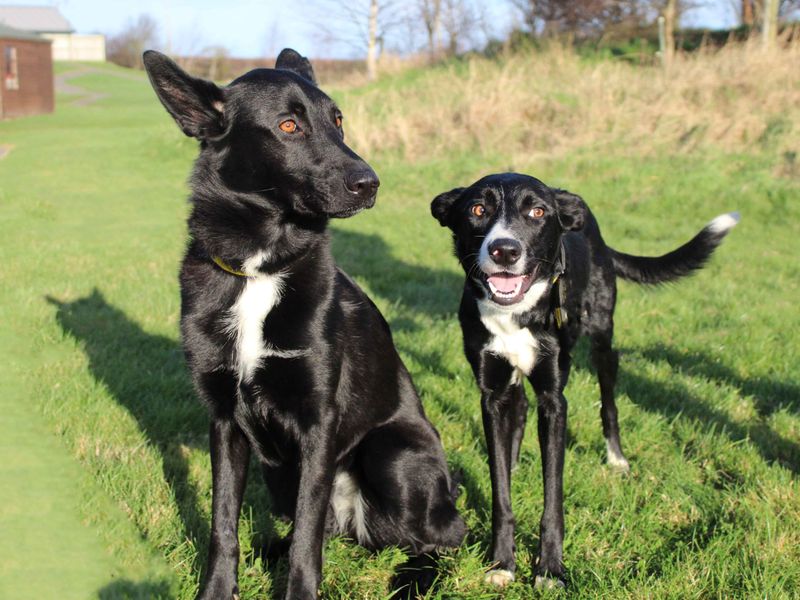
{"x":36,"y":19}
{"x":9,"y":33}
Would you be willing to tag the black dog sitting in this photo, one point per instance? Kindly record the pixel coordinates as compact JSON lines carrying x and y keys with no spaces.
{"x":539,"y":276}
{"x":294,"y":361}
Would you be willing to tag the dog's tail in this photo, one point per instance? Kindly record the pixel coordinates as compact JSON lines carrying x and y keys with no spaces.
{"x":678,"y":263}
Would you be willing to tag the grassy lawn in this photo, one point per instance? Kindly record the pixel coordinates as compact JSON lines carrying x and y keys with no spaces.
{"x":93,"y":203}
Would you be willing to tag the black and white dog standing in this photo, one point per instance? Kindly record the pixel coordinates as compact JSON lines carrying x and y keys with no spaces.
{"x":538,"y":276}
{"x":296,"y":364}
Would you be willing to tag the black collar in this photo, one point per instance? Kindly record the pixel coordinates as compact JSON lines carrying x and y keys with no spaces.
{"x":558,"y":292}
{"x":560,"y":263}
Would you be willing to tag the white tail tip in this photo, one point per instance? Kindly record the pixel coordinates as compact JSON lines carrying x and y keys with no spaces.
{"x":723,"y":223}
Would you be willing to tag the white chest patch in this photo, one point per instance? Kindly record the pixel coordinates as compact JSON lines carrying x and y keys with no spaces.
{"x":260,"y":295}
{"x":514,"y":343}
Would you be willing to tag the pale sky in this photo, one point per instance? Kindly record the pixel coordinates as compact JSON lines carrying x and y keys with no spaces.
{"x":253,"y":28}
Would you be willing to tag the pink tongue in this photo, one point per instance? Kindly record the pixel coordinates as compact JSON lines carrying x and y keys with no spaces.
{"x":505,"y":284}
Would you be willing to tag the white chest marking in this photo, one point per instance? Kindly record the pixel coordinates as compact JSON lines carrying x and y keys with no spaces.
{"x":246,"y":321}
{"x":514,"y":343}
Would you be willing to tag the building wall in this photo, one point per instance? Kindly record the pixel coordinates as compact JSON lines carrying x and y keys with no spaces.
{"x":34,"y":93}
{"x":75,"y":46}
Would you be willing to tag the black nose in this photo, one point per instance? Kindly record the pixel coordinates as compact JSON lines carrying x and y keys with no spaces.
{"x":505,"y":251}
{"x":363,"y":183}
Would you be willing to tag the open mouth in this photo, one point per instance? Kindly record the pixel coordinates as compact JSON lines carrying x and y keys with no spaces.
{"x":507,"y":288}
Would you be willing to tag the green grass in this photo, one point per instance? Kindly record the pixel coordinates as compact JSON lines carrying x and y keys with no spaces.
{"x":93,"y":208}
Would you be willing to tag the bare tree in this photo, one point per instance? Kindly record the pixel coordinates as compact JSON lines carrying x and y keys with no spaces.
{"x":748,"y":12}
{"x":188,"y":47}
{"x":528,"y":11}
{"x":219,"y":63}
{"x":600,"y":19}
{"x":460,"y":20}
{"x":769,"y":23}
{"x":363,"y":25}
{"x":670,"y":21}
{"x":126,"y":47}
{"x":430,"y":11}
{"x":584,"y":19}
{"x":372,"y":40}
{"x":751,"y":13}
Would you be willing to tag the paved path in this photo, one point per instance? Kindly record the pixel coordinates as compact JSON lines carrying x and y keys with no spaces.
{"x":64,"y":85}
{"x":46,"y":551}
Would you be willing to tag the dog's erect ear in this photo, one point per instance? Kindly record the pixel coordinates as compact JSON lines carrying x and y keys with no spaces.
{"x":441,"y":205}
{"x":196,"y":105}
{"x":572,"y":210}
{"x":292,"y":61}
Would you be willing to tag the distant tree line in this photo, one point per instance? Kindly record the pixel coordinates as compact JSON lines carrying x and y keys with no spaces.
{"x":436,"y":29}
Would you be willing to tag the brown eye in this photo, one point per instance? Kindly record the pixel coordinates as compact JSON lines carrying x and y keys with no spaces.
{"x":536,"y":213}
{"x":288,"y":126}
{"x":478,"y":210}
{"x":339,"y":122}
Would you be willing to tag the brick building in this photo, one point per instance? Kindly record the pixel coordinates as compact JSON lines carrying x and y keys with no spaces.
{"x":48,"y":22}
{"x":26,"y":68}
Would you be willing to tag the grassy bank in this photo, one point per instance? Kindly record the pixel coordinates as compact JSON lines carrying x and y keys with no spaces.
{"x":93,"y":207}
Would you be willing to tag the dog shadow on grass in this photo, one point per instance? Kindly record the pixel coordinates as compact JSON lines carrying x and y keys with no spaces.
{"x":434,"y":292}
{"x":146,"y":374}
{"x":129,"y":590}
{"x":676,"y":400}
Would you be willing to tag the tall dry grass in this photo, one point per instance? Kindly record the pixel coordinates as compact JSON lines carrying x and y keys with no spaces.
{"x":554,"y":101}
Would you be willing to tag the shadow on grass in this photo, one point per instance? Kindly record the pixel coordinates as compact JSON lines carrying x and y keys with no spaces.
{"x":674,"y":400}
{"x":125,"y":589}
{"x":146,"y":374}
{"x":434,"y":292}
{"x":769,"y":395}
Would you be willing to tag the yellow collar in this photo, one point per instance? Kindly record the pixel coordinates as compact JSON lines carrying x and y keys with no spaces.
{"x":226,"y":267}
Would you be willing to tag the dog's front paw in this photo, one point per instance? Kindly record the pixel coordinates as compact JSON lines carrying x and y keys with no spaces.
{"x":499,"y":577}
{"x":219,"y":590}
{"x":301,"y":588}
{"x":545,"y":582}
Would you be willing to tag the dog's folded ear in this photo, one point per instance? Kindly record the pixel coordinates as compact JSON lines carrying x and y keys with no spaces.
{"x":441,"y":205}
{"x":572,"y":210}
{"x":196,"y":105}
{"x":291,"y":60}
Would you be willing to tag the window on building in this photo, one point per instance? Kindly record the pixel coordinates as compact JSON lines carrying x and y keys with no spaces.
{"x":11,"y":76}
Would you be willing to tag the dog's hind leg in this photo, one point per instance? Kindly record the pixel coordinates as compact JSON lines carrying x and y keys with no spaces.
{"x":282,"y":480}
{"x":606,"y":360}
{"x":408,"y":500}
